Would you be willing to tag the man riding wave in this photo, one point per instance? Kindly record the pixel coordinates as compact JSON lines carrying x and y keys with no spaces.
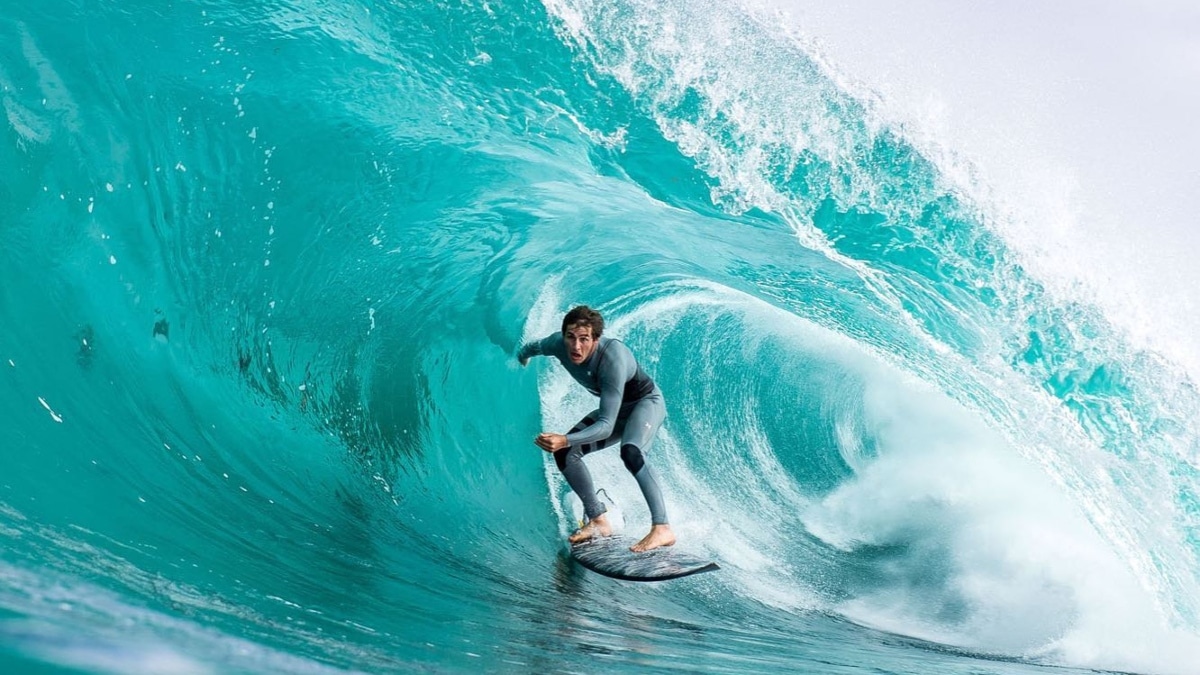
{"x":631,"y":411}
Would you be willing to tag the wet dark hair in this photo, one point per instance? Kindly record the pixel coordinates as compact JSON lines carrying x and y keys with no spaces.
{"x":584,"y":316}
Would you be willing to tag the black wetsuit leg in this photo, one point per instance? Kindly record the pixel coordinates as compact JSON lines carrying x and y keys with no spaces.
{"x":639,"y":431}
{"x":570,"y":463}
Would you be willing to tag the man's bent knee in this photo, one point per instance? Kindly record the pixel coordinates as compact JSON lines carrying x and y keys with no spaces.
{"x":632,"y":456}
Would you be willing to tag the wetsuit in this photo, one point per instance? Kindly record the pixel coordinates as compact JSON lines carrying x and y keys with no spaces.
{"x":631,"y":411}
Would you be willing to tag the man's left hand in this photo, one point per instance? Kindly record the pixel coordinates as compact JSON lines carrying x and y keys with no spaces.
{"x":551,"y":442}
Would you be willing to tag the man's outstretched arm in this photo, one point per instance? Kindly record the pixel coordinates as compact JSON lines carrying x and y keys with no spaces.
{"x":534,"y":348}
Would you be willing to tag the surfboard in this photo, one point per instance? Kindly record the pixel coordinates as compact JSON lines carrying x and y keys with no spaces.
{"x":611,"y":557}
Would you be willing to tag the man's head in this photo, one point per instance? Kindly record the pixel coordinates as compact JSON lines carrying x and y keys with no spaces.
{"x":581,"y":330}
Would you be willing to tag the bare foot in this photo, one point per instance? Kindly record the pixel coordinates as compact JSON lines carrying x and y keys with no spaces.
{"x":660,"y":535}
{"x":596,"y":527}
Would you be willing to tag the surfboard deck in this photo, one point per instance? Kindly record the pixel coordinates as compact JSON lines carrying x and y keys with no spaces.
{"x":611,"y":557}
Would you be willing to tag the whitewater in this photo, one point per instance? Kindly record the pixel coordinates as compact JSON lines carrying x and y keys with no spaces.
{"x":266,"y":266}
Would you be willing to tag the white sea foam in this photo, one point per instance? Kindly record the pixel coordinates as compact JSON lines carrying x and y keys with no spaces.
{"x":982,"y":550}
{"x":1070,"y":121}
{"x":1037,"y":127}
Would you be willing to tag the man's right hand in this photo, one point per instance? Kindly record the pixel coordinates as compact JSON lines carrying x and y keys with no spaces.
{"x":550,"y":441}
{"x":522,"y":361}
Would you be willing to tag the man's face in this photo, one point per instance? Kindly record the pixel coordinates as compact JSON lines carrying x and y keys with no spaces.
{"x":580,"y":343}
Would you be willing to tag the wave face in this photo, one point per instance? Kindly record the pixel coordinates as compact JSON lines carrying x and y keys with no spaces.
{"x":266,"y":265}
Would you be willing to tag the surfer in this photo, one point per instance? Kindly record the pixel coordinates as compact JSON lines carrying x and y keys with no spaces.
{"x":631,"y":411}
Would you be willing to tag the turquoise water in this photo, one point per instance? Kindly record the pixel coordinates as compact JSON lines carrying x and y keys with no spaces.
{"x":264,"y":268}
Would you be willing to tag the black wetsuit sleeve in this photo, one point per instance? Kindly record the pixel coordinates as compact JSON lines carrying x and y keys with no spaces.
{"x":540,"y":347}
{"x":618,"y":367}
